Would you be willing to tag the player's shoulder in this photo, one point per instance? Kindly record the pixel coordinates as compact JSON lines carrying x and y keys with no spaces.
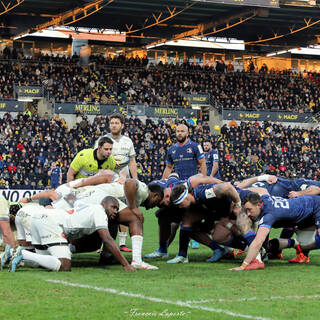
{"x":85,"y":152}
{"x":125,"y":139}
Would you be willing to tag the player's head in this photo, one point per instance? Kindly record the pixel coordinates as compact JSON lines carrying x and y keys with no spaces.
{"x":116,"y":123}
{"x":182,"y":133}
{"x":155,"y":196}
{"x":181,"y":197}
{"x":111,"y":206}
{"x":166,"y":198}
{"x":207,"y":146}
{"x":14,"y":208}
{"x":252,"y":205}
{"x":104,"y":148}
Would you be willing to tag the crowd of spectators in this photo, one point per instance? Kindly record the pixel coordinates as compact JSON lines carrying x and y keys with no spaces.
{"x":133,"y":80}
{"x":29,"y":144}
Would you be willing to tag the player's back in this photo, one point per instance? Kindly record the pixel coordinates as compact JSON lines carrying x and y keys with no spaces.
{"x":288,"y":212}
{"x":302,"y":184}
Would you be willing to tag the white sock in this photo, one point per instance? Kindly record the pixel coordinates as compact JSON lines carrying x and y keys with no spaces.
{"x":136,"y":248}
{"x":46,"y":261}
{"x":258,"y":257}
{"x":122,"y":238}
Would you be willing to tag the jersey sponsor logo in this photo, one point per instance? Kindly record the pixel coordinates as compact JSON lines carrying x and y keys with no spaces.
{"x":303,"y":187}
{"x":209,"y":193}
{"x":173,"y":151}
{"x":189,"y":150}
{"x":70,"y":211}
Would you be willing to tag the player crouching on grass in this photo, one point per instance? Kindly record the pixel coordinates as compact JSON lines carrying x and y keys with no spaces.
{"x":51,"y":228}
{"x":275,"y":212}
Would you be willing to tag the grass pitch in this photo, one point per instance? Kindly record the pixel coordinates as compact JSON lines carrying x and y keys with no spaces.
{"x":197,"y":290}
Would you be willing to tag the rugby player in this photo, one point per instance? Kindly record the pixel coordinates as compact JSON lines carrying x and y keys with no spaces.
{"x":6,"y":210}
{"x":275,"y":212}
{"x":168,"y":216}
{"x":123,"y":146}
{"x":212,"y":160}
{"x":211,"y":202}
{"x":52,"y":228}
{"x":134,"y":192}
{"x":184,"y":157}
{"x":285,"y":188}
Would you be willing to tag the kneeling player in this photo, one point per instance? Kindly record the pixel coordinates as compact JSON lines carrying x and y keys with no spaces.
{"x":51,"y":229}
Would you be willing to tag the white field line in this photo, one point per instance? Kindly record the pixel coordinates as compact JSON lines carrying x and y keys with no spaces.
{"x":316,"y":296}
{"x":154,"y":299}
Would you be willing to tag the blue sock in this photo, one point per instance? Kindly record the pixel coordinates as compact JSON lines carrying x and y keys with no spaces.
{"x":163,"y":247}
{"x":184,"y":238}
{"x":249,"y":236}
{"x":317,"y":238}
{"x":214,"y":245}
{"x":291,"y":243}
{"x":229,"y":243}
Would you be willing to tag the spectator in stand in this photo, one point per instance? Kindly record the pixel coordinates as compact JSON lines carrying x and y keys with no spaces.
{"x":55,"y":175}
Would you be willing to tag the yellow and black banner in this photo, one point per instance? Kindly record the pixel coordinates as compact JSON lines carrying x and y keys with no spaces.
{"x":29,"y":91}
{"x":11,"y":106}
{"x":197,"y":99}
{"x":137,"y":110}
{"x":267,"y":116}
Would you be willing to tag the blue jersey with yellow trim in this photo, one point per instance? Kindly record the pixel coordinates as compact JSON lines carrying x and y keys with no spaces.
{"x":185,"y":158}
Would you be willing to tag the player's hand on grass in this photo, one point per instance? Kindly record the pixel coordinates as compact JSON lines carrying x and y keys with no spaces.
{"x":139,"y":214}
{"x":129,"y":267}
{"x":237,"y":269}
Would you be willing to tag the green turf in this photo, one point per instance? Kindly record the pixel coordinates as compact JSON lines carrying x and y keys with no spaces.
{"x":27,"y":294}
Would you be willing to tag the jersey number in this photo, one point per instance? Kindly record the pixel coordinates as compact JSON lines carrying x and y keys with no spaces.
{"x":281,"y":203}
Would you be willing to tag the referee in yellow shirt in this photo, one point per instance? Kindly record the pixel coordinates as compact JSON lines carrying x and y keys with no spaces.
{"x":88,"y":162}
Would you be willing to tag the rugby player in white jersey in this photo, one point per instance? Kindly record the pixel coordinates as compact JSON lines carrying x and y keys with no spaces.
{"x":124,"y":154}
{"x":52,"y":228}
{"x":133,"y":192}
{"x":7,"y":234}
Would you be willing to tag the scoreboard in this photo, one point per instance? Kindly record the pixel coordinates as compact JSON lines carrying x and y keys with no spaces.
{"x":258,"y":3}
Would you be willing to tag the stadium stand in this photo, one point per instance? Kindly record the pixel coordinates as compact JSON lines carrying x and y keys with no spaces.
{"x":28,"y":145}
{"x":132,"y":80}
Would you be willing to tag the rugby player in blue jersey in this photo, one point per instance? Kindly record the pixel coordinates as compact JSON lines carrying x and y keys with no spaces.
{"x":201,"y":203}
{"x":285,"y":188}
{"x":184,"y":157}
{"x":169,"y":216}
{"x":212,"y":160}
{"x":275,"y":212}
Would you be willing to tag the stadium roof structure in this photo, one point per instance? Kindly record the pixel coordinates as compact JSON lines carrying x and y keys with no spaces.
{"x":264,"y":24}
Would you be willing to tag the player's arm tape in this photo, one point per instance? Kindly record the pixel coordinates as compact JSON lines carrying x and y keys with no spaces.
{"x":238,"y":204}
{"x":229,"y":225}
{"x":265,"y":226}
{"x":264,"y":177}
